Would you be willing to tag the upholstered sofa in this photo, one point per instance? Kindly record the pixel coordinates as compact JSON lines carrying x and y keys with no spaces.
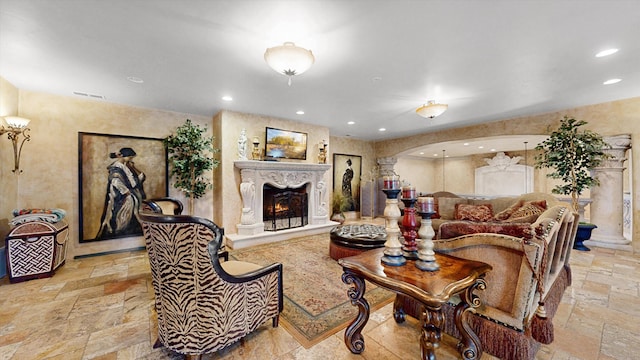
{"x":530,"y":274}
{"x":505,"y":215}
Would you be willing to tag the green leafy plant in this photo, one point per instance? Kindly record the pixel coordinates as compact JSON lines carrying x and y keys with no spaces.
{"x":191,"y":156}
{"x":572,"y":152}
{"x":339,"y":203}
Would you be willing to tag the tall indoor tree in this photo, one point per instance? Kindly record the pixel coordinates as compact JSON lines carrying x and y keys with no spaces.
{"x":572,"y":152}
{"x":191,"y":156}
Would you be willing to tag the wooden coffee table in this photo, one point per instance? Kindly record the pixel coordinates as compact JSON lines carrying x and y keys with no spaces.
{"x":431,"y":289}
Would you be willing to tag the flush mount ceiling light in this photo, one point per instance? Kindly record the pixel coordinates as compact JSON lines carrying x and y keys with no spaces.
{"x":431,"y":109}
{"x":289,"y":59}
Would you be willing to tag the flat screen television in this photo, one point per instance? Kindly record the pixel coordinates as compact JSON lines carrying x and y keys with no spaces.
{"x":285,"y":144}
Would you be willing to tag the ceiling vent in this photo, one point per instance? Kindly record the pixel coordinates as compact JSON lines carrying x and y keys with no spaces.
{"x":93,"y":96}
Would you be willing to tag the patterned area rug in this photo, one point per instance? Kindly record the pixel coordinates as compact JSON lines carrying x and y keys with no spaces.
{"x":316,"y":305}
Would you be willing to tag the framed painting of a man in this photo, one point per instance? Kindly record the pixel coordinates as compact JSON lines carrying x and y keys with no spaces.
{"x":346,"y":179}
{"x":115,"y":174}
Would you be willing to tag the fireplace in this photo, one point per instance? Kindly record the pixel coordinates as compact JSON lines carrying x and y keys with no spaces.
{"x":256,"y":177}
{"x":284,"y":208}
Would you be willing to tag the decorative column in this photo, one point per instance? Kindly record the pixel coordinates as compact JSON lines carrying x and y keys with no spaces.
{"x":607,"y":205}
{"x":385,"y":166}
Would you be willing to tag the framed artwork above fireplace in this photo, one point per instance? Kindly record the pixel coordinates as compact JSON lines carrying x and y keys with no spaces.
{"x":346,"y":179}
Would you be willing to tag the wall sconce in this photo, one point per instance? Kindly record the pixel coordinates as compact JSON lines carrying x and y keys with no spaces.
{"x":16,"y":126}
{"x":256,"y":153}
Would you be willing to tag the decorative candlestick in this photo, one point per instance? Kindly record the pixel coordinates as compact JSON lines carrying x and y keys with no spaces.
{"x":409,"y":225}
{"x":322,"y":152}
{"x":426,"y":257}
{"x":256,"y":153}
{"x":426,"y":204}
{"x":392,"y":247}
{"x":391,"y":182}
{"x":409,"y":192}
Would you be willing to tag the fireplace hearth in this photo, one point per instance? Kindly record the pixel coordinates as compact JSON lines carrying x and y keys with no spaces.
{"x":284,"y":208}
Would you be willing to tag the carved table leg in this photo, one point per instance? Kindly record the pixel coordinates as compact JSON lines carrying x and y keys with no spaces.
{"x":432,"y":320}
{"x":352,"y":335}
{"x":398,"y":310}
{"x":469,"y":347}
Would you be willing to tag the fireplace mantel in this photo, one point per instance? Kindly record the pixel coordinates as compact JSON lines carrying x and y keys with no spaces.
{"x":255,"y":174}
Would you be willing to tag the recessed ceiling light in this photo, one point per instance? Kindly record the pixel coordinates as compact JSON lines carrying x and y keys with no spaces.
{"x":134,"y":79}
{"x":606,"y":52}
{"x":300,"y":112}
{"x":435,"y":154}
{"x":611,"y":81}
{"x":421,"y":152}
{"x":480,"y":147}
{"x":382,"y":129}
{"x":227,"y":98}
{"x":351,"y":122}
{"x":493,"y":150}
{"x":466,"y":144}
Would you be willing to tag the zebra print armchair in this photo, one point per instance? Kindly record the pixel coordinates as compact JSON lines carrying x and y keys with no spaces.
{"x":203,"y":304}
{"x":165,"y":205}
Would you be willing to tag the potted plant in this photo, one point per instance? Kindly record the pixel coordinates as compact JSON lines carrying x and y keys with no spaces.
{"x":572,"y":152}
{"x":339,"y":203}
{"x":191,"y":155}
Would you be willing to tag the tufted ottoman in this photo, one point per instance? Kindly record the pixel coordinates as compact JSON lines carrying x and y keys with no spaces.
{"x":353,"y":239}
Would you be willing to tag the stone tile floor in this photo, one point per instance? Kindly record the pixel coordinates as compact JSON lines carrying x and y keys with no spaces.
{"x":101,"y":308}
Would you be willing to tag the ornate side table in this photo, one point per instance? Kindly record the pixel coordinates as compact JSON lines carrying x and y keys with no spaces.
{"x":431,"y":289}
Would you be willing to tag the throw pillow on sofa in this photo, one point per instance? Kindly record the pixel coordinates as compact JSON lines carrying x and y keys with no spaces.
{"x":478,"y":213}
{"x":506,"y":213}
{"x":447,"y":207}
{"x":529,"y":212}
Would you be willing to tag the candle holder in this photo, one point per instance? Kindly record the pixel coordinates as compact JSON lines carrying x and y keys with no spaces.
{"x":256,"y":154}
{"x":322,"y":152}
{"x":392,"y":247}
{"x":409,"y":225}
{"x":426,"y":256}
{"x":391,"y":182}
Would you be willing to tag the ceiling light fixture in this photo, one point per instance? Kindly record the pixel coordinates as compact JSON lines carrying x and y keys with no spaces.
{"x":289,"y":59}
{"x":431,"y":109}
{"x":300,"y":112}
{"x":227,"y":98}
{"x":611,"y":81}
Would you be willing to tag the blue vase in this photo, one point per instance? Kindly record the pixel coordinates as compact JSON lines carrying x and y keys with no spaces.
{"x":583,"y":233}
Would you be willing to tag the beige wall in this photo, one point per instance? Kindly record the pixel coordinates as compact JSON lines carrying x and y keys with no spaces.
{"x":50,"y":159}
{"x":8,"y":179}
{"x":351,"y":146}
{"x":417,"y":172}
